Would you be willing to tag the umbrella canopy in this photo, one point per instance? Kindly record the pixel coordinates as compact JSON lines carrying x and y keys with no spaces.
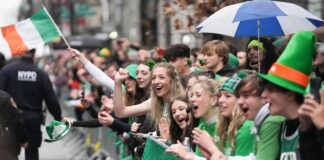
{"x":260,"y":18}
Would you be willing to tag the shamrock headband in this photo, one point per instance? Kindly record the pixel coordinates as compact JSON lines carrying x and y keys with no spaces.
{"x":150,"y":63}
{"x":257,"y":43}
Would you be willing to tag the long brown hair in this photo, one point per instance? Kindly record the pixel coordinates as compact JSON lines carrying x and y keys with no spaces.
{"x":176,"y":133}
{"x":136,"y":98}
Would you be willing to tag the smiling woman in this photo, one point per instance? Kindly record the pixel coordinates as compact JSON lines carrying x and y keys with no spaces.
{"x":165,"y":86}
{"x":182,"y":120}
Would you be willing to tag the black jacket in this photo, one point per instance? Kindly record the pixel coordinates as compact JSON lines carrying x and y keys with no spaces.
{"x":227,"y":71}
{"x":29,"y":86}
{"x":12,"y":129}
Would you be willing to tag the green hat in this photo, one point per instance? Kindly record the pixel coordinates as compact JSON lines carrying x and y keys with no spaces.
{"x":293,"y":68}
{"x":104,"y":52}
{"x":231,"y":83}
{"x":132,"y":68}
{"x":233,"y":60}
{"x":56,"y":130}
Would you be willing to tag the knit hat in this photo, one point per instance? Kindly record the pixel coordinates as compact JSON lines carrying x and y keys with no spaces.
{"x":258,"y":44}
{"x":293,"y":68}
{"x":231,"y":83}
{"x":132,"y":68}
{"x":56,"y":130}
{"x":104,"y":52}
{"x":233,"y":61}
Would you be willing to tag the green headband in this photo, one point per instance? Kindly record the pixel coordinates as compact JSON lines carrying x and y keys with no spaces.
{"x":257,"y":43}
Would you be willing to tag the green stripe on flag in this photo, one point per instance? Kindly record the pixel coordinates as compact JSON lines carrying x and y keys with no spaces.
{"x":44,"y":26}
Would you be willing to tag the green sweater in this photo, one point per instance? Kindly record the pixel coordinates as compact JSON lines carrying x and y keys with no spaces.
{"x":210,"y":128}
{"x":244,"y":141}
{"x":267,"y":147}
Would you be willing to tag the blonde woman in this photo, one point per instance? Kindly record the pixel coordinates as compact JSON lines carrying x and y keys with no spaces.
{"x":165,"y":85}
{"x":233,"y":129}
{"x":203,"y":98}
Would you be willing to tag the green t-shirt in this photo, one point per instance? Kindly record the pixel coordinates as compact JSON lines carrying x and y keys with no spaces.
{"x":267,"y":147}
{"x":210,"y":128}
{"x":244,"y":141}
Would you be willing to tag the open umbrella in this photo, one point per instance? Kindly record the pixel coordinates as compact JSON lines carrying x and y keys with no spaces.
{"x":260,"y":18}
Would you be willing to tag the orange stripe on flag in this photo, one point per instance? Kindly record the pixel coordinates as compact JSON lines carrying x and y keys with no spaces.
{"x":289,"y":74}
{"x":15,"y":42}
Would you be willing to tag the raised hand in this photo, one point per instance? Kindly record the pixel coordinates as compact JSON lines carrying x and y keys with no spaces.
{"x":135,"y":126}
{"x":204,"y":141}
{"x":108,"y":103}
{"x":180,"y":151}
{"x":164,"y":128}
{"x":85,"y":103}
{"x":121,"y":75}
{"x":77,"y":55}
{"x":105,"y":118}
{"x":70,"y":120}
{"x":313,"y":110}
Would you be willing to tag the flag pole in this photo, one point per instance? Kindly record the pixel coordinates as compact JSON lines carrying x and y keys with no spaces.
{"x":58,"y":29}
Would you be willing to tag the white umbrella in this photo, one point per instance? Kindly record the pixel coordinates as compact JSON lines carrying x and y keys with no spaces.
{"x":260,"y":18}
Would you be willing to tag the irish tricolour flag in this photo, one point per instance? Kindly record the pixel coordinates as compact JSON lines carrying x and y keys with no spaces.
{"x":29,"y":33}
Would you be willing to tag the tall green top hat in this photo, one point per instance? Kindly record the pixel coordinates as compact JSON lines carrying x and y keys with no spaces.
{"x":56,"y":130}
{"x":293,"y":67}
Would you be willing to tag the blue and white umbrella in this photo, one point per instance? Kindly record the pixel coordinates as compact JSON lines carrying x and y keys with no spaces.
{"x":260,"y":18}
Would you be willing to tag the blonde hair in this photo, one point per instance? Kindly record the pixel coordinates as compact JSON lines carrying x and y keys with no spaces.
{"x":157,"y":103}
{"x":227,"y":128}
{"x":209,"y":85}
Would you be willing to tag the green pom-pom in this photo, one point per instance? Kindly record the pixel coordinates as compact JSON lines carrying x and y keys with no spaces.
{"x":201,"y":61}
{"x":151,"y":63}
{"x":242,"y":74}
{"x":189,"y":62}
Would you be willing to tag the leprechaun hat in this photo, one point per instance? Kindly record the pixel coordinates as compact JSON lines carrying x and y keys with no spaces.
{"x":293,"y":68}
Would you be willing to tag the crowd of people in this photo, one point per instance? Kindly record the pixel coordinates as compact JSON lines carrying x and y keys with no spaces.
{"x":264,"y":103}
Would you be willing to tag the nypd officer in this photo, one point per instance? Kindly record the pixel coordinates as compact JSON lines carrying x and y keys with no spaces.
{"x":29,"y":86}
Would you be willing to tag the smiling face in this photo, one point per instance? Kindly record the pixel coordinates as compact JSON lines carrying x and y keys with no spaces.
{"x":161,"y":82}
{"x":201,"y":100}
{"x":278,"y":102}
{"x":226,"y":103}
{"x":249,"y":102}
{"x":179,"y":113}
{"x":143,"y":76}
{"x":253,"y":56}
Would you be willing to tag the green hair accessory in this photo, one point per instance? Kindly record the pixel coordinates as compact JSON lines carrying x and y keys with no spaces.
{"x":150,"y":63}
{"x":189,"y":62}
{"x":201,"y":61}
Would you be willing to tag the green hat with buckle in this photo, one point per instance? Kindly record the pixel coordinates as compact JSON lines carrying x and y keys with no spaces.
{"x":57,"y":130}
{"x":293,"y":68}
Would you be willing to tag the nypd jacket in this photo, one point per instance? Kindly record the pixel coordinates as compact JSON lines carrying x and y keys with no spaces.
{"x":29,"y":86}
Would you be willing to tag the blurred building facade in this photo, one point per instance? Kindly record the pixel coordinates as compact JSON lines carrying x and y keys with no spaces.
{"x":141,"y":21}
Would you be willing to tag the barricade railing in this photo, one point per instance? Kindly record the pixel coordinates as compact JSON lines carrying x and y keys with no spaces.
{"x":90,"y":143}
